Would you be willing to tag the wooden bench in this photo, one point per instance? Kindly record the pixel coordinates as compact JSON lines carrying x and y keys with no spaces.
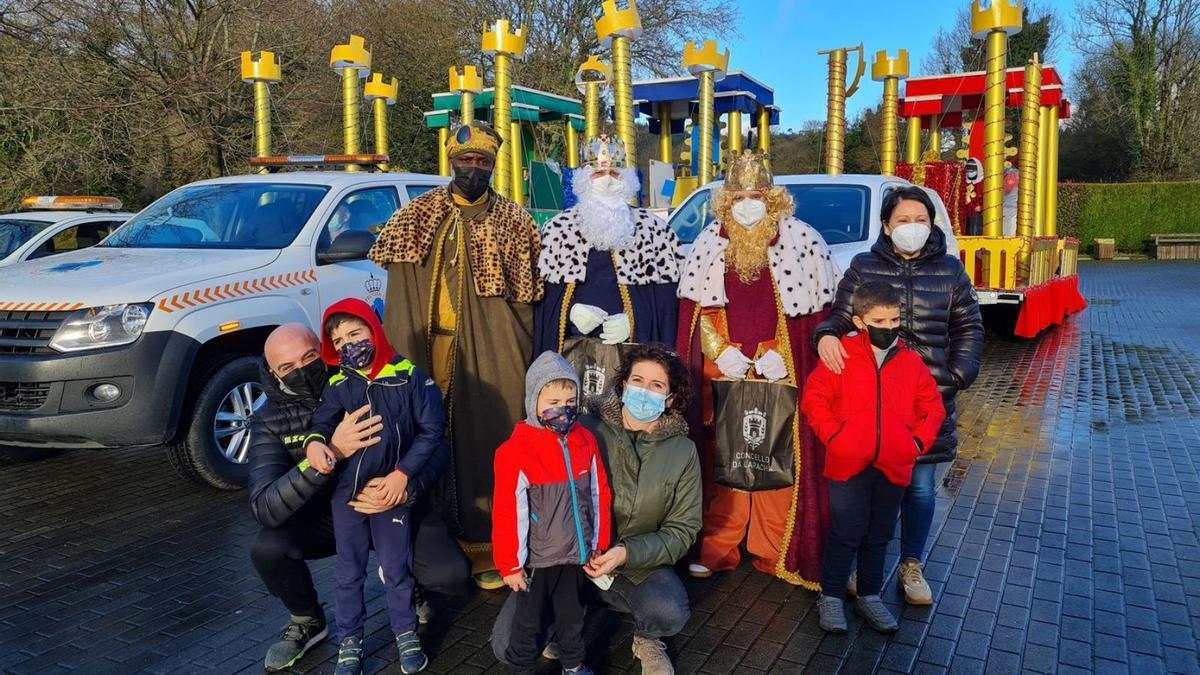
{"x":1177,"y":246}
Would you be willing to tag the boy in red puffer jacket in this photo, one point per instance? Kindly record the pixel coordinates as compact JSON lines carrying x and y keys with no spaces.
{"x":874,"y":419}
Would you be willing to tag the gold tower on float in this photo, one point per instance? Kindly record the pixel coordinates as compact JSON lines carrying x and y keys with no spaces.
{"x":616,"y":28}
{"x":993,"y":21}
{"x":353,"y":61}
{"x":709,"y":66}
{"x":835,"y":107}
{"x":1031,"y":108}
{"x":467,"y":85}
{"x":506,"y":45}
{"x":591,"y":79}
{"x":261,"y":70}
{"x":890,"y":71}
{"x":381,"y":94}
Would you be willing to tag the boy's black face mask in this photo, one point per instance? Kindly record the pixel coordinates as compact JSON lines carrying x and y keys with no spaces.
{"x":471,"y":182}
{"x":306,"y":381}
{"x":882,"y":338}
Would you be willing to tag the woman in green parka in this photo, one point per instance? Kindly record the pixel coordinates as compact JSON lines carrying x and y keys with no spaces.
{"x":654,"y":474}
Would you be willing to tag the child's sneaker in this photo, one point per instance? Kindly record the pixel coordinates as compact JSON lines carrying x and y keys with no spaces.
{"x":412,"y":657}
{"x":349,"y":661}
{"x":832,"y":615}
{"x":580,"y":669}
{"x":871,"y":608}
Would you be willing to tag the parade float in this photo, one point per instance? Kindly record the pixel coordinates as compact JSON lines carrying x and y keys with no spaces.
{"x":1027,"y":263}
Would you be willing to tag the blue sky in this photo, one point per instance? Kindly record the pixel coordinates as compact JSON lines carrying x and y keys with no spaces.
{"x":780,"y":40}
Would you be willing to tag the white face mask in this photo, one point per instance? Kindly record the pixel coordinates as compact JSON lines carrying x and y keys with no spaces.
{"x":749,"y":212}
{"x":607,"y":186}
{"x":910,"y":237}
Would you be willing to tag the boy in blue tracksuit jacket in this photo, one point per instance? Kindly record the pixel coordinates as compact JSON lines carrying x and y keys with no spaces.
{"x":414,"y":425}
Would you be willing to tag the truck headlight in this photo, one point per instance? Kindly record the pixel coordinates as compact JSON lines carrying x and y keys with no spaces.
{"x":107,"y":326}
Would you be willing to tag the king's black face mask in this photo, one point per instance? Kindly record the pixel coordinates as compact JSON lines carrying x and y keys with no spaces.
{"x":471,"y":182}
{"x":306,"y":381}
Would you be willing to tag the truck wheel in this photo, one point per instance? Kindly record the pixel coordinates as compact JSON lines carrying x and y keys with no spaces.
{"x":214,"y":439}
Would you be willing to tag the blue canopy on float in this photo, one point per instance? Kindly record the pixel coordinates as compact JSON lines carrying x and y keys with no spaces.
{"x":736,"y":92}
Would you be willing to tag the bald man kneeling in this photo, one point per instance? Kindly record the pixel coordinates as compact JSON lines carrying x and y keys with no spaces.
{"x":291,"y":500}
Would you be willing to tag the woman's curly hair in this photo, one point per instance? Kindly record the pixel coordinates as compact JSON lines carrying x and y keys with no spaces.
{"x":679,"y":380}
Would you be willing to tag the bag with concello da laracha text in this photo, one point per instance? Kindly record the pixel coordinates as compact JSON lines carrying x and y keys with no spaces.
{"x":755,"y":447}
{"x":596,"y":363}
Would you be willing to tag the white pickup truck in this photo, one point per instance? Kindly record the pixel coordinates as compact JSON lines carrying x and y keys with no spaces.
{"x":52,"y":225}
{"x":844,"y":209}
{"x":155,"y":335}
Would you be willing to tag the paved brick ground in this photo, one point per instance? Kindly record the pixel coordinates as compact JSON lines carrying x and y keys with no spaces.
{"x":1065,"y":538}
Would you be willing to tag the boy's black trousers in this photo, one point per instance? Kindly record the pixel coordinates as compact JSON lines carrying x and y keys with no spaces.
{"x":863,"y":513}
{"x":556,"y":589}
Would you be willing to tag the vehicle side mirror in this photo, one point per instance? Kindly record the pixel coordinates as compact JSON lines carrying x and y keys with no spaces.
{"x":348,"y":246}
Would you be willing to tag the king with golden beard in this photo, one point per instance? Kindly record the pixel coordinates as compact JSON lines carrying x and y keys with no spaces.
{"x":756,"y":284}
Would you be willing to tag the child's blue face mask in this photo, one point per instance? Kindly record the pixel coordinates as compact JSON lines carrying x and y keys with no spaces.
{"x":357,"y":355}
{"x":643,"y":405}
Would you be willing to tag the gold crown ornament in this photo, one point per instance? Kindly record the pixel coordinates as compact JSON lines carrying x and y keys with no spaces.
{"x":474,"y":137}
{"x":748,"y":171}
{"x":604,"y":152}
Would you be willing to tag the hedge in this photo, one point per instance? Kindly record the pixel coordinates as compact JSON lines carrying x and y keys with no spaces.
{"x":1131,"y":213}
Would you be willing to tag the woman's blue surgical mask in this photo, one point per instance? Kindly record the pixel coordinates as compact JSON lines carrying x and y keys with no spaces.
{"x":643,"y":405}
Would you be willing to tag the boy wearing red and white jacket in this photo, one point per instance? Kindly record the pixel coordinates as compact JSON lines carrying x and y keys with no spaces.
{"x":550,"y":514}
{"x":874,"y":419}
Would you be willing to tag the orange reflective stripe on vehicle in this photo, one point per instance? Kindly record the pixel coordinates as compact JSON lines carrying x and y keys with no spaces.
{"x":212,"y":294}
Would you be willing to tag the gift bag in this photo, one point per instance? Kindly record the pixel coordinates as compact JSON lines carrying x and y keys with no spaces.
{"x":755,"y":446}
{"x":596,"y":363}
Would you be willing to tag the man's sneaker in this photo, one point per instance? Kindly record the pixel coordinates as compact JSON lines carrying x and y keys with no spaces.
{"x":832,"y":614}
{"x":912,"y":582}
{"x":653,"y":655}
{"x":299,"y":635}
{"x":349,"y":661}
{"x":580,"y":669}
{"x":412,"y":657}
{"x":870,"y":607}
{"x":551,"y":652}
{"x":852,"y":585}
{"x":699,"y":571}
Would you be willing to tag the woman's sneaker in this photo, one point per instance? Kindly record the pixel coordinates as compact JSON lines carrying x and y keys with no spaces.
{"x":831,"y":613}
{"x":299,"y":635}
{"x":912,"y":582}
{"x":871,"y":608}
{"x":412,"y":657}
{"x":349,"y":660}
{"x":653,"y":655}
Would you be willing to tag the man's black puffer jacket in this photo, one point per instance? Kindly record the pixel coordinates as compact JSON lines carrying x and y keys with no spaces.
{"x":278,"y":489}
{"x":939,"y":318}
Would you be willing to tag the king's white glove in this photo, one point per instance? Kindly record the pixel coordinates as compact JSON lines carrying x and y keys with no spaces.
{"x":771,"y":366}
{"x":733,"y":363}
{"x":616,"y":329}
{"x":587,"y":318}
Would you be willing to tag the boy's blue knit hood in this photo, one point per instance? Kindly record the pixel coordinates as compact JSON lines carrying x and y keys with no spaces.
{"x":545,"y":369}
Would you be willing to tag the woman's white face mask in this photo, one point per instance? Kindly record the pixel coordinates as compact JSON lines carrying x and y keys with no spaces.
{"x":749,"y":212}
{"x":910,"y":237}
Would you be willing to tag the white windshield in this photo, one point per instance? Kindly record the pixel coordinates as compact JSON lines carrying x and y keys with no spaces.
{"x":230,"y":215}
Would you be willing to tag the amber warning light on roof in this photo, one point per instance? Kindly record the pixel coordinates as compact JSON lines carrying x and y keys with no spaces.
{"x":57,"y":203}
{"x":317,"y":160}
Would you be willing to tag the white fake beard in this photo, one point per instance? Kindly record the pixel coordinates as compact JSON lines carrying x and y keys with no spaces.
{"x":606,"y":222}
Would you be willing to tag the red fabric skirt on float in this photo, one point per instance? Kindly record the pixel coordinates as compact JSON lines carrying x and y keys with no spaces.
{"x":1049,"y":304}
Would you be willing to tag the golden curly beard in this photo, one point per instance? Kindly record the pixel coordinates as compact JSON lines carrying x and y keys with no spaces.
{"x":749,"y":249}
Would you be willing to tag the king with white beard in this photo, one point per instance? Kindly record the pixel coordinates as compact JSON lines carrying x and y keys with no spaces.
{"x":610,"y":269}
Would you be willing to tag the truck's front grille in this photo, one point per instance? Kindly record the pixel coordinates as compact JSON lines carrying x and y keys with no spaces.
{"x":28,"y":332}
{"x":18,"y":396}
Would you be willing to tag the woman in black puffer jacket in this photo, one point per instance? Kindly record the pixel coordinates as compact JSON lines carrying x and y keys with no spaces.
{"x":940,"y":319}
